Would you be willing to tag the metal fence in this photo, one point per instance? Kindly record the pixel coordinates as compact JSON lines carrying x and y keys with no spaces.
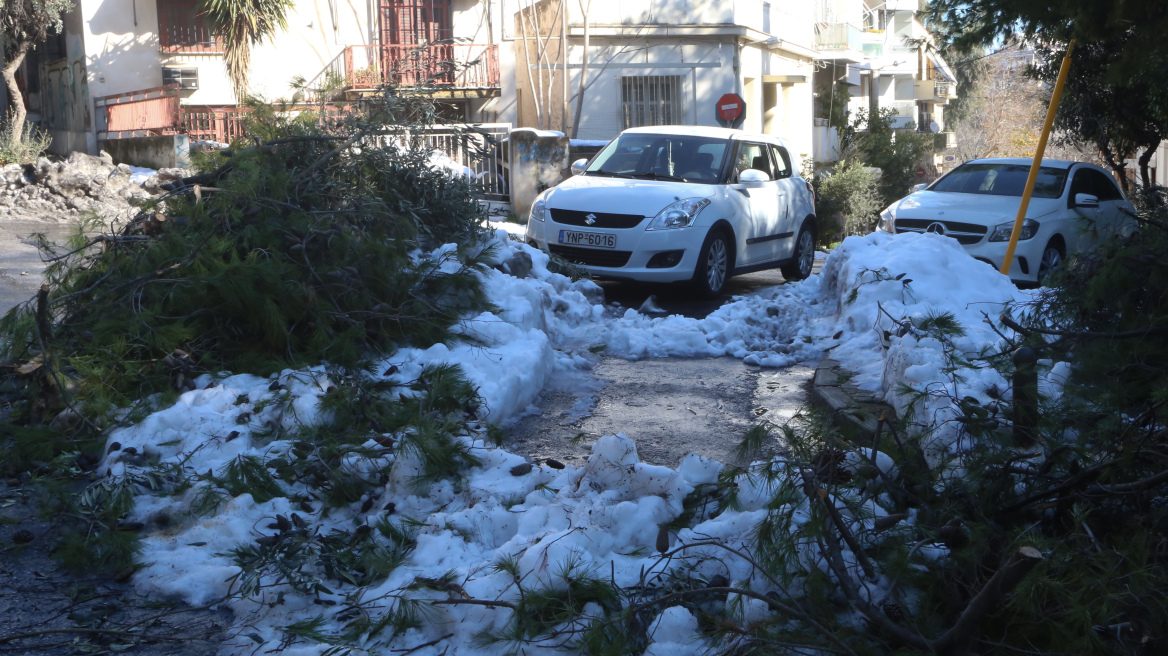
{"x":476,"y":147}
{"x":147,"y":112}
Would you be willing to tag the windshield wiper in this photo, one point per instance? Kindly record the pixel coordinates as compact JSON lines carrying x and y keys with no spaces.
{"x":612,"y":174}
{"x":659,"y":176}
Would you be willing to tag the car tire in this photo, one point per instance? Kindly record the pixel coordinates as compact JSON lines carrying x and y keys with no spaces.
{"x":1052,"y":258}
{"x":714,"y":265}
{"x":803,"y":259}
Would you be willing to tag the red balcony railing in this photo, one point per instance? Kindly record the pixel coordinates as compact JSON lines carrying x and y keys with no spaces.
{"x":443,"y":65}
{"x":138,"y":113}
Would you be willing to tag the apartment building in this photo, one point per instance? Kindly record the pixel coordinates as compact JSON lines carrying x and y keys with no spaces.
{"x":152,"y":67}
{"x":887,"y":60}
{"x":145,"y":67}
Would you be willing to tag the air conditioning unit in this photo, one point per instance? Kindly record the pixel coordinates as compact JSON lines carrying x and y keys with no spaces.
{"x":186,"y":78}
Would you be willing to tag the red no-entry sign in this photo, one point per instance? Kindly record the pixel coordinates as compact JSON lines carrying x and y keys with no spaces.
{"x":730,"y":107}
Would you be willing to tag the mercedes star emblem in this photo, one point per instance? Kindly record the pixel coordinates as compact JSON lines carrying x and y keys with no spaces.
{"x":937,"y":228}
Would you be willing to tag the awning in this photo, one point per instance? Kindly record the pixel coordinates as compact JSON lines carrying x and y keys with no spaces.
{"x":941,"y":65}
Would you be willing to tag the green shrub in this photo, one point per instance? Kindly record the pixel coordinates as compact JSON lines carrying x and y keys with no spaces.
{"x":32,"y":143}
{"x":847,"y":199}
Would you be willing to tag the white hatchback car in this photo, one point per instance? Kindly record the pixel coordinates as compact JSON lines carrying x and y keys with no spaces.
{"x":681,"y":203}
{"x":977,"y":204}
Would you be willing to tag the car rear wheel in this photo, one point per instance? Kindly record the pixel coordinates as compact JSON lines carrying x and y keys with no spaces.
{"x":1052,"y":259}
{"x":804,"y":256}
{"x":713,"y":268}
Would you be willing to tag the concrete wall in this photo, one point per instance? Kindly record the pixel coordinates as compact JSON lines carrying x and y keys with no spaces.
{"x":537,"y":162}
{"x":152,"y":152}
{"x":121,"y":45}
{"x":65,"y":99}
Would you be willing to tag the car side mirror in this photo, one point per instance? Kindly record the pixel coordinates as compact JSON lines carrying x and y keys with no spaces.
{"x":578,"y":166}
{"x":753,"y":177}
{"x":918,"y":187}
{"x":1086,"y":200}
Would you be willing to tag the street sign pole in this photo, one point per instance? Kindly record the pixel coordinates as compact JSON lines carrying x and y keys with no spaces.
{"x":1038,"y":152}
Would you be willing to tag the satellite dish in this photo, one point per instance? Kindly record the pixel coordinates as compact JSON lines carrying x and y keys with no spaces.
{"x":934,"y":127}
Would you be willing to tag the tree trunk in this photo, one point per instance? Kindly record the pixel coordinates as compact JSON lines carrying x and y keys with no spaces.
{"x":14,"y":96}
{"x":527,"y":65}
{"x":584,"y":9}
{"x":564,"y":66}
{"x":1116,"y":165}
{"x":1145,"y":179}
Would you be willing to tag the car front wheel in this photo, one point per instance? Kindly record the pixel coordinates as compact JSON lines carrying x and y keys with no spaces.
{"x":804,"y":256}
{"x":713,"y":265}
{"x":1052,"y":259}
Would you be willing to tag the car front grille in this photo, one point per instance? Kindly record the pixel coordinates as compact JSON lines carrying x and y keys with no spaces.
{"x":964,"y":233}
{"x":591,"y":256}
{"x":599,"y":219}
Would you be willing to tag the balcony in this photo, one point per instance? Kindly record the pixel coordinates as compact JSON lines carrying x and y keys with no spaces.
{"x":840,"y":41}
{"x":934,"y":91}
{"x":453,"y":70}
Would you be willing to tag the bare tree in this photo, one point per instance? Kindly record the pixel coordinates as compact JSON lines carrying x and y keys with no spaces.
{"x":585,"y":10}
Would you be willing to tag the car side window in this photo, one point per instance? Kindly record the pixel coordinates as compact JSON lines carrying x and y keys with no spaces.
{"x":1082,"y":183}
{"x":1105,"y":189}
{"x":782,"y":162}
{"x":753,"y":156}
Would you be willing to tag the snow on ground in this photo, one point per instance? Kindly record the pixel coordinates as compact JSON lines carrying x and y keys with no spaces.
{"x":140,"y":174}
{"x":604,"y":516}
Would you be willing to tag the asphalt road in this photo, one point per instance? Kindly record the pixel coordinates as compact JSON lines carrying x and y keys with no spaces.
{"x":668,"y":406}
{"x":20,"y":262}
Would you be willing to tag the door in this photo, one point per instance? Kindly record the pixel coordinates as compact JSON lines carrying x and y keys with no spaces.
{"x":764,"y":228}
{"x":406,"y":26}
{"x":791,"y":190}
{"x":1111,"y":216}
{"x":1084,"y":222}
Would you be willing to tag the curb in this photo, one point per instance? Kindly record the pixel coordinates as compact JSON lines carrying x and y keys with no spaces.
{"x":831,"y":389}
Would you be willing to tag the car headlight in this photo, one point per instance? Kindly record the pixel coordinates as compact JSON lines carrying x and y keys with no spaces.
{"x":678,"y":215}
{"x":1002,"y":231}
{"x":887,"y":222}
{"x":539,"y":210}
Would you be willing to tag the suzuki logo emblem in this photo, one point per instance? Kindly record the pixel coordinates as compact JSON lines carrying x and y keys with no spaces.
{"x":590,"y":219}
{"x":937,"y":228}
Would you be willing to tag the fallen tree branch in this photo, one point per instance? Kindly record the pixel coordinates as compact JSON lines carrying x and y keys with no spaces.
{"x":1001,"y":584}
{"x":1142,"y":332}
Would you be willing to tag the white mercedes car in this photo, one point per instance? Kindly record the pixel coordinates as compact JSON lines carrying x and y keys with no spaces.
{"x":1074,"y":205}
{"x":680,"y":203}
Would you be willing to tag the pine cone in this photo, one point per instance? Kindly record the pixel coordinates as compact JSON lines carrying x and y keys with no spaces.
{"x":521,"y":470}
{"x":23,"y":536}
{"x":892,"y":610}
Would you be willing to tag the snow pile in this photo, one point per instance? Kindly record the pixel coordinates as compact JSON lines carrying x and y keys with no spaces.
{"x":601,"y":518}
{"x":70,"y":190}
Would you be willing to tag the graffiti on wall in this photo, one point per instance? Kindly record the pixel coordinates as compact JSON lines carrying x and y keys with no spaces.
{"x":65,"y":103}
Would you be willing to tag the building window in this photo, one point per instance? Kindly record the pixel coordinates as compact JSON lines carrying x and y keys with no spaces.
{"x":181,"y":28}
{"x":652,"y":100}
{"x":415,"y":22}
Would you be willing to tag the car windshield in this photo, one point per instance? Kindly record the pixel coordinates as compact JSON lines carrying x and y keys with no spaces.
{"x":662,"y":157}
{"x":1002,"y":180}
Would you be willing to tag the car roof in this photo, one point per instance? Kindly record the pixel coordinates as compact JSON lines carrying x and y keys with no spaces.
{"x":708,"y":131}
{"x":1053,"y":163}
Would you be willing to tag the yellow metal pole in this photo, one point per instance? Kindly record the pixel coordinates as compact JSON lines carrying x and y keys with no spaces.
{"x":1038,"y":152}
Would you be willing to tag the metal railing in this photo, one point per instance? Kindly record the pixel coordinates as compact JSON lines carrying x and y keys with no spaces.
{"x":148,"y":112}
{"x":943,"y":89}
{"x":213,"y":124}
{"x":449,"y":65}
{"x":475,"y":147}
{"x":839,"y":36}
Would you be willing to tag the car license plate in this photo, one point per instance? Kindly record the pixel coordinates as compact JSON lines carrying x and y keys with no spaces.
{"x":590,"y":239}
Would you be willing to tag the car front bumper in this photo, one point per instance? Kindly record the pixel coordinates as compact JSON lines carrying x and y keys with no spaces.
{"x":640,"y":245}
